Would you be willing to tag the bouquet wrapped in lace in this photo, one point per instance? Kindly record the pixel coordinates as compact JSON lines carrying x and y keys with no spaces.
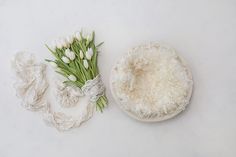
{"x":76,"y":59}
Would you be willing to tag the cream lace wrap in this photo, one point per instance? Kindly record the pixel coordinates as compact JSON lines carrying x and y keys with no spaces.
{"x":151,"y":82}
{"x":31,"y":86}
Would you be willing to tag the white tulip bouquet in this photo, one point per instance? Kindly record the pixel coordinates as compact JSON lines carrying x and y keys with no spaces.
{"x":76,"y":59}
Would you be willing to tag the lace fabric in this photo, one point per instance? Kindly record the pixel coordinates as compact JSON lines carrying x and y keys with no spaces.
{"x":31,"y":87}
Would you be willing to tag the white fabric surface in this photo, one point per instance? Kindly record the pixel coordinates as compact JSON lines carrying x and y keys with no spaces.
{"x":203,"y":31}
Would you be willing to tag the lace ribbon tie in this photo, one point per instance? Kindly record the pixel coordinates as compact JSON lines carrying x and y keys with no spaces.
{"x":94,"y":88}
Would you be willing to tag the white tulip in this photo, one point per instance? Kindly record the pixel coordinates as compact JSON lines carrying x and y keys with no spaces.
{"x":85,"y":32}
{"x":89,"y":54}
{"x":53,"y":64}
{"x":70,"y":54}
{"x":72,"y":78}
{"x":65,"y":59}
{"x":67,"y":51}
{"x":65,"y":43}
{"x":69,"y":39}
{"x":90,"y":51}
{"x":59,"y":44}
{"x":81,"y":54}
{"x":89,"y":37}
{"x":53,"y":44}
{"x":77,"y":35}
{"x":85,"y":62}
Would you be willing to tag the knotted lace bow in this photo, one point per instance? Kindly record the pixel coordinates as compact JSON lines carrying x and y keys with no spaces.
{"x":93,"y":88}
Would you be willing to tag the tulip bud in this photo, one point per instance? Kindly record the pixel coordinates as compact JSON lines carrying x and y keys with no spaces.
{"x":65,"y":59}
{"x":59,"y":44}
{"x":65,"y":43}
{"x":77,"y":35}
{"x":67,"y":51}
{"x":88,"y":56}
{"x":90,"y":51}
{"x":72,"y":78}
{"x":85,"y":62}
{"x":53,"y":44}
{"x":81,"y":54}
{"x":69,"y":39}
{"x":88,"y":38}
{"x":70,"y":54}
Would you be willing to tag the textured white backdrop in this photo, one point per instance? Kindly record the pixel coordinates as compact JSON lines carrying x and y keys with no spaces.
{"x":204,"y":33}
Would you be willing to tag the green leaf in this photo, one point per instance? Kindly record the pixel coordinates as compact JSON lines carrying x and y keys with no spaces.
{"x":48,"y":60}
{"x":100,"y":44}
{"x":61,"y":73}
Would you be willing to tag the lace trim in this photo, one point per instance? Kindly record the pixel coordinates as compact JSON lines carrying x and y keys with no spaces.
{"x":31,"y":87}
